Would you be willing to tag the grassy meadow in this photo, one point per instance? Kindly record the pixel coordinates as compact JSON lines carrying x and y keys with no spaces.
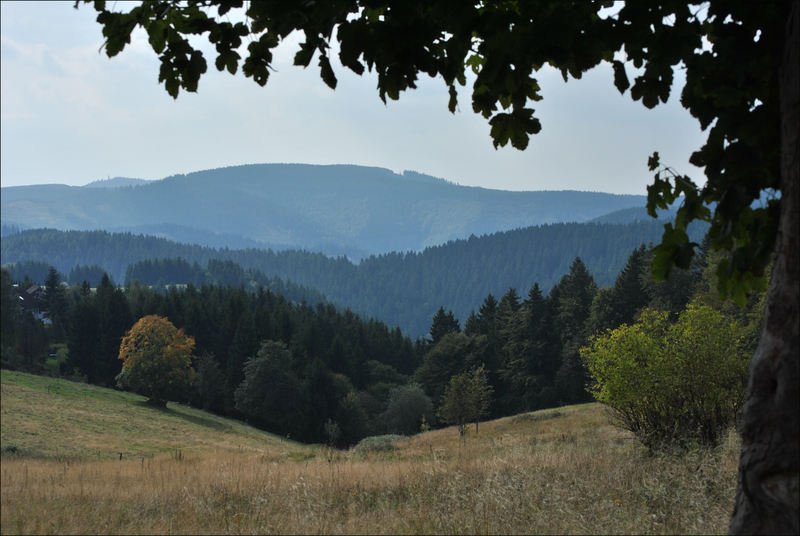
{"x":566,"y":470}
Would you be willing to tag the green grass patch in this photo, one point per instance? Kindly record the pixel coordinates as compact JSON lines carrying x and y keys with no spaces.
{"x":381,"y":443}
{"x":55,"y":418}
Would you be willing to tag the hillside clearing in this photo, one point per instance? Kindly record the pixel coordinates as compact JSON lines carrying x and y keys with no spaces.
{"x":554,"y":471}
{"x":62,"y":420}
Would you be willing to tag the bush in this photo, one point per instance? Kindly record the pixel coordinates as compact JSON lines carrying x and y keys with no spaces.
{"x":671,"y":384}
{"x":381,"y":443}
{"x":407,"y":408}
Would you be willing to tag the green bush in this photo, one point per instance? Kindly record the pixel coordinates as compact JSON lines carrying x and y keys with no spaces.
{"x":408,"y":406}
{"x":379,"y":443}
{"x":672,"y":385}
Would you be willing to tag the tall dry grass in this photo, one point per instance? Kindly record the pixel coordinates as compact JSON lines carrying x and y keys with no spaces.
{"x":567,"y":471}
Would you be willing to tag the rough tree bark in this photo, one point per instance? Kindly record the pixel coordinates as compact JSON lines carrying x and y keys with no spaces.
{"x":767,"y":497}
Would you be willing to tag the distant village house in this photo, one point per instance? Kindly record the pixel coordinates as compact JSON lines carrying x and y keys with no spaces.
{"x":33,"y":299}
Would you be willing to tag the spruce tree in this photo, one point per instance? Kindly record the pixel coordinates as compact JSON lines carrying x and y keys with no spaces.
{"x":629,"y":291}
{"x":83,"y":335}
{"x":442,"y":324}
{"x":506,"y":312}
{"x":56,"y":303}
{"x":575,"y":293}
{"x":114,"y":319}
{"x":619,"y":304}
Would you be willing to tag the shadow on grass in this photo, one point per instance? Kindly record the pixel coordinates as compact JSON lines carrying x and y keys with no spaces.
{"x":195,"y":419}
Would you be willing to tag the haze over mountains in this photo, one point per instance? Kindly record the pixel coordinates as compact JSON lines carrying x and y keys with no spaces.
{"x":336,"y":209}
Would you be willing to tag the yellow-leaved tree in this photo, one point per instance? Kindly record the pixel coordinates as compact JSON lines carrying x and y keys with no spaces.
{"x":157,"y":360}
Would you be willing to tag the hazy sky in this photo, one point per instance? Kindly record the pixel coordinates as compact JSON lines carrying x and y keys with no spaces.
{"x":70,"y":115}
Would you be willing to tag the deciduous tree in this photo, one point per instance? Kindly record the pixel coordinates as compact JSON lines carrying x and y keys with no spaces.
{"x":271,"y":394}
{"x":407,"y":408}
{"x":466,"y":399}
{"x":454,"y":354}
{"x":156,"y":360}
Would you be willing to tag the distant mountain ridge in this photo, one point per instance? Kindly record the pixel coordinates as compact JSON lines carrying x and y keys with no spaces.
{"x":634,"y":214}
{"x":334,"y":209}
{"x":116,"y":182}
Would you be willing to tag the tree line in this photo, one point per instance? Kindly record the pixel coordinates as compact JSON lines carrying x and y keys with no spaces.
{"x":162,"y":273}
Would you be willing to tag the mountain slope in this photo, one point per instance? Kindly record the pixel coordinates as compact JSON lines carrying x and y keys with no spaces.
{"x":401,"y":289}
{"x":634,"y":214}
{"x":334,"y":209}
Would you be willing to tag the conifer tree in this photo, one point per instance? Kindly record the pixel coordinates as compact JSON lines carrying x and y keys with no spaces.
{"x":56,"y":303}
{"x":484,"y":322}
{"x":673,"y":293}
{"x":82,"y":340}
{"x":575,"y":293}
{"x":531,"y":357}
{"x":629,"y":291}
{"x":209,"y":383}
{"x":507,"y":310}
{"x":442,"y":324}
{"x":114,"y":319}
{"x":619,"y":304}
{"x":472,"y":325}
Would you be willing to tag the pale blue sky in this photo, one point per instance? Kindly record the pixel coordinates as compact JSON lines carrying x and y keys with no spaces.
{"x":70,"y":115}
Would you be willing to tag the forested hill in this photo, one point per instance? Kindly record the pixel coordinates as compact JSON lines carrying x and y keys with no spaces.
{"x":338,"y":209}
{"x":401,"y":289}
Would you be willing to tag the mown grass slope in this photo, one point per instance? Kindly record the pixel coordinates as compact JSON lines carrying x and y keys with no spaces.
{"x":556,"y":471}
{"x":56,"y":419}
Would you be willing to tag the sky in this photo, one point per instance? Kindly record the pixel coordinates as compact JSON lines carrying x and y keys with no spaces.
{"x":71,"y":115}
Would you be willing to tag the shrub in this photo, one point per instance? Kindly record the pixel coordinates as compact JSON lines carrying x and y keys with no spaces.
{"x":407,"y":408}
{"x":671,"y":384}
{"x":381,"y":443}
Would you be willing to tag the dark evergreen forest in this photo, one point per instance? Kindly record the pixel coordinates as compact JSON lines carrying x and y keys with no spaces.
{"x":321,"y":373}
{"x":401,"y":289}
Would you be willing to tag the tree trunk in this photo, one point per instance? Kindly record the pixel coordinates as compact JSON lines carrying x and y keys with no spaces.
{"x":767,"y":497}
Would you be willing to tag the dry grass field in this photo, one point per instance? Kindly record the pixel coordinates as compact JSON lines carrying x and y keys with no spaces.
{"x":184,"y":471}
